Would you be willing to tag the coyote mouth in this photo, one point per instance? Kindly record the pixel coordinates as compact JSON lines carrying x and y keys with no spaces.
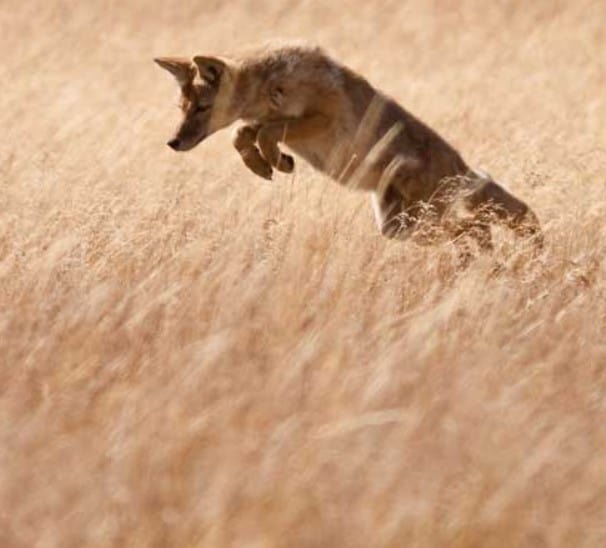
{"x":195,"y":143}
{"x":199,"y":140}
{"x":184,"y":147}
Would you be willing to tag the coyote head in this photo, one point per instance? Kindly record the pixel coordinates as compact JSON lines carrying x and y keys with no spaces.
{"x":205,"y":97}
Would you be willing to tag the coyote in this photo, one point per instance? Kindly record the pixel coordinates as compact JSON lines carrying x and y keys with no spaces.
{"x":337,"y":121}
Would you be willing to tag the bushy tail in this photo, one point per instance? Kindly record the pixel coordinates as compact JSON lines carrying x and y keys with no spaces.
{"x":489,"y":200}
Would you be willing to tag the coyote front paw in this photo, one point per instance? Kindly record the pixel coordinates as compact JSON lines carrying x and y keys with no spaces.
{"x":257,"y":164}
{"x":286,"y":163}
{"x":267,"y":140}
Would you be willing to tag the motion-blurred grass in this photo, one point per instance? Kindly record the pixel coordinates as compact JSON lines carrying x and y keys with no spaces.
{"x":192,"y":356}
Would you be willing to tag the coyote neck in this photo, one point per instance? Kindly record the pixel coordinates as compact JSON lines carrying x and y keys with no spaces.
{"x":247,"y":99}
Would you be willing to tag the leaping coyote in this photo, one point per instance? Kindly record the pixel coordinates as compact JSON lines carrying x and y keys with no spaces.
{"x":336,"y":120}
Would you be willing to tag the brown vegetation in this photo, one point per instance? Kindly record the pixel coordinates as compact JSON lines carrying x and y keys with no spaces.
{"x":190,"y":355}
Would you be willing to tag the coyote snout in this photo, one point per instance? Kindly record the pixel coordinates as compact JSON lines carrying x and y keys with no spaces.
{"x":181,"y":145}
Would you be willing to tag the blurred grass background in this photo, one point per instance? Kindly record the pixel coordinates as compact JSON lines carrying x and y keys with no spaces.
{"x":192,"y":356}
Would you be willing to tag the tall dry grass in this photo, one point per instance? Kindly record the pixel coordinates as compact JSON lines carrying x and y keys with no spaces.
{"x":192,"y":356}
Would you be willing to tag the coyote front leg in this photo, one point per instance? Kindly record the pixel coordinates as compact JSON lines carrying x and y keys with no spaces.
{"x":287,"y":131}
{"x":244,"y":140}
{"x":260,"y":152}
{"x":258,"y":143}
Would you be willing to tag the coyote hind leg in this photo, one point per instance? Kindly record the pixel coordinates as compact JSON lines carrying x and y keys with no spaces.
{"x":389,"y":213}
{"x":473,"y":229}
{"x":490,"y":200}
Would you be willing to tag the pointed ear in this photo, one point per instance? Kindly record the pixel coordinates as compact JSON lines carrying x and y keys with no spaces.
{"x":181,"y":68}
{"x":211,"y":69}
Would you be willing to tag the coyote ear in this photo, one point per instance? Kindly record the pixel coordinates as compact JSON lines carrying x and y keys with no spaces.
{"x":179,"y":67}
{"x":210,"y":68}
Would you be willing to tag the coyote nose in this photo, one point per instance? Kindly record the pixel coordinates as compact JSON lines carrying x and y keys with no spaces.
{"x":173,"y":143}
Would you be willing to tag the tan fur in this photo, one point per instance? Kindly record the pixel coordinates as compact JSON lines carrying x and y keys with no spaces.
{"x":333,"y":118}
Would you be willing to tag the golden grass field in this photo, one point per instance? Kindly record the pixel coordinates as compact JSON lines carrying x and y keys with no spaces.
{"x":192,"y":356}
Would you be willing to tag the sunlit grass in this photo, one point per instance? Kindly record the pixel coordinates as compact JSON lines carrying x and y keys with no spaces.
{"x":192,"y":356}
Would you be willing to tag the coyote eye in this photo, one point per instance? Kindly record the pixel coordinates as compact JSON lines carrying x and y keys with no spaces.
{"x":202,"y":108}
